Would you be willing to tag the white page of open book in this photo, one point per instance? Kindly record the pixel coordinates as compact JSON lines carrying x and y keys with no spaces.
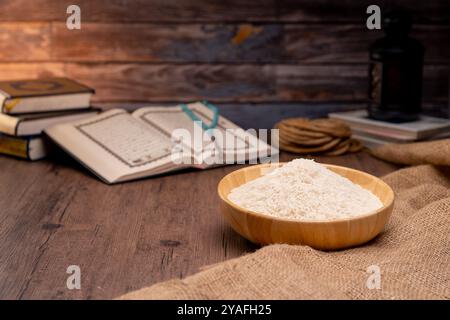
{"x":115,"y":145}
{"x":172,"y":118}
{"x":118,"y":146}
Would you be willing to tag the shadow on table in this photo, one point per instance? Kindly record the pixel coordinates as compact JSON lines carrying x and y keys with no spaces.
{"x":61,"y":158}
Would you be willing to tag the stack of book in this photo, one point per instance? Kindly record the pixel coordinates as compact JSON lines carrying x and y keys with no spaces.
{"x":30,"y":106}
{"x":374,"y":133}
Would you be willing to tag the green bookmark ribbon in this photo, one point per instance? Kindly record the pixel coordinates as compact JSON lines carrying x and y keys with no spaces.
{"x":196,"y":119}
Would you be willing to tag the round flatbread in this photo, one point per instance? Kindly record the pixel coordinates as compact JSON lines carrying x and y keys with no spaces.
{"x":288,"y":146}
{"x":355,"y":145}
{"x":340,"y":149}
{"x":301,"y":132}
{"x":332,"y":127}
{"x":304,"y":141}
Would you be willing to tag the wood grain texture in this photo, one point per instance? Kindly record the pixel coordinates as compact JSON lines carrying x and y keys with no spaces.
{"x":124,"y":237}
{"x":225,"y":51}
{"x":323,"y":235}
{"x":349,"y":43}
{"x":141,"y":10}
{"x":355,"y":11}
{"x":223,"y":83}
{"x":178,"y":43}
{"x":241,"y":54}
{"x":176,"y":11}
{"x":204,"y":43}
{"x":237,"y":43}
{"x":24,"y":41}
{"x":266,"y":114}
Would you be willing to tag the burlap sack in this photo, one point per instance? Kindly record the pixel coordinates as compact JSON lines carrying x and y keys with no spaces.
{"x":413,"y":253}
{"x":434,"y":152}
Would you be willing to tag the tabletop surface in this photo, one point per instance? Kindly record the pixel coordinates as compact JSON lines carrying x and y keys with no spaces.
{"x":55,"y":214}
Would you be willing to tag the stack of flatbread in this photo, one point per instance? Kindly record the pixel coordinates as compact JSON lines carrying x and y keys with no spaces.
{"x":328,"y":137}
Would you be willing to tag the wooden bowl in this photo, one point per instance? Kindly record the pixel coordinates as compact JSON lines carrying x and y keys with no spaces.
{"x":320,"y":234}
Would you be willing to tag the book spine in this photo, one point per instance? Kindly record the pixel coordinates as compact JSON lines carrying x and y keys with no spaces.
{"x":8,"y":124}
{"x":14,"y":147}
{"x":3,"y":98}
{"x":10,"y":104}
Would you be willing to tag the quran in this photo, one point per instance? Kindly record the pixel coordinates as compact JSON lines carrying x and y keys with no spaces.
{"x":118,"y":146}
{"x":43,"y":95}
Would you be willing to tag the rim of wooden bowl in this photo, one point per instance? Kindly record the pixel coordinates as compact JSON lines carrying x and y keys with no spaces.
{"x":284,"y":219}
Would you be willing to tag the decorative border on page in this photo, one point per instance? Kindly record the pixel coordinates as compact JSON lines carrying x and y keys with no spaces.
{"x":118,"y":157}
{"x":158,"y":128}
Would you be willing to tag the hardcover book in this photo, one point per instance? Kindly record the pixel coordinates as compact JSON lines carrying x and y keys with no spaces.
{"x":34,"y":123}
{"x":30,"y":148}
{"x":424,"y":128}
{"x":43,"y":95}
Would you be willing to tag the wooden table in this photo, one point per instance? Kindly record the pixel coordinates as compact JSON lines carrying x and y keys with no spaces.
{"x":123,"y":237}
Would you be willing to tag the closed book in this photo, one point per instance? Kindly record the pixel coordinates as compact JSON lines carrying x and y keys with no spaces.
{"x":31,"y":148}
{"x":34,"y":123}
{"x":424,"y":128}
{"x":43,"y":95}
{"x":374,"y":140}
{"x":370,"y":141}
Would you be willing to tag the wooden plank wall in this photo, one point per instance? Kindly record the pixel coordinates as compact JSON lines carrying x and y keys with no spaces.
{"x":234,"y":52}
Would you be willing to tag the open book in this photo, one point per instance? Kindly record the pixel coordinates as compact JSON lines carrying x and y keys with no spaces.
{"x":118,"y":146}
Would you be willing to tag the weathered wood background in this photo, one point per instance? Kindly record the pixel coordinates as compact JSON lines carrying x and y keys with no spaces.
{"x":235,"y":52}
